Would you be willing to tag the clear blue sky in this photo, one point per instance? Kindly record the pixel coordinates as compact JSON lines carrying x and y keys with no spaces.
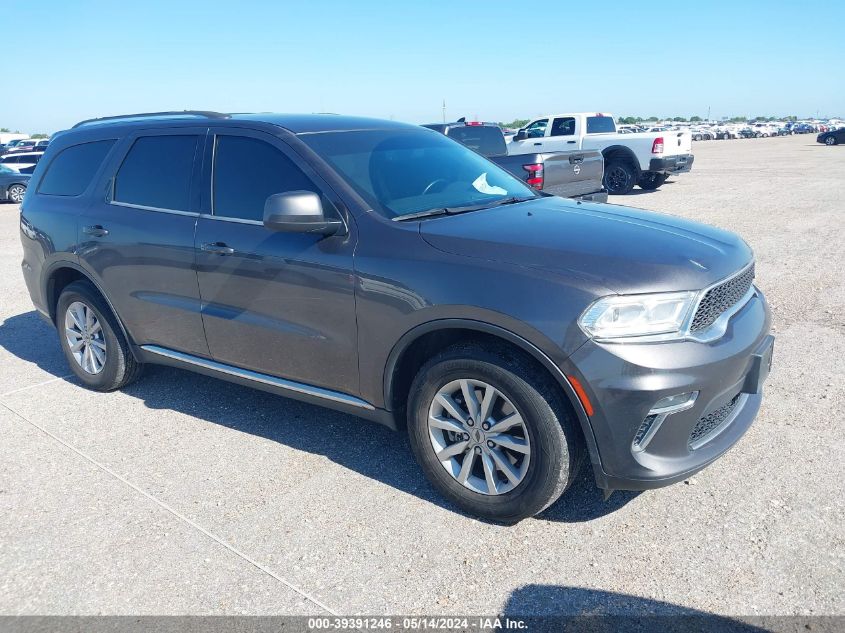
{"x":400,"y":59}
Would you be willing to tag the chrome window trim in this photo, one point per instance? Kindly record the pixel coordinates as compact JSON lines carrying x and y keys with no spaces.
{"x":224,"y":218}
{"x":254,"y":376}
{"x":129,"y":205}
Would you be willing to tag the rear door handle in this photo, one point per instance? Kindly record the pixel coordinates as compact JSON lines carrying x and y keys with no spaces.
{"x":95,"y":231}
{"x":537,"y":144}
{"x":571,"y":142}
{"x":217,"y":248}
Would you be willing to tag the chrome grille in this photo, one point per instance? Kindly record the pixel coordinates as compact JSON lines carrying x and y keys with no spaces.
{"x":721,"y":298}
{"x":709,"y":423}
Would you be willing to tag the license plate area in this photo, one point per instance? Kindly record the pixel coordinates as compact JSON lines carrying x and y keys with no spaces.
{"x":761,"y":365}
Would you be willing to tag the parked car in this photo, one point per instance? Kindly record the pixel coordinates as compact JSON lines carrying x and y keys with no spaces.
{"x":572,"y":174}
{"x":19,"y":161}
{"x":645,"y":159}
{"x":833,"y":137}
{"x":12,"y":185}
{"x":512,"y":334}
{"x":25,"y":145}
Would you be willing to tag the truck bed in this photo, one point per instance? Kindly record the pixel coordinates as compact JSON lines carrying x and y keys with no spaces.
{"x":573,"y":174}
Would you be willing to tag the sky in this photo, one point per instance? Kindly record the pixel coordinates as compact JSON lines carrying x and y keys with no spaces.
{"x":495,"y":61}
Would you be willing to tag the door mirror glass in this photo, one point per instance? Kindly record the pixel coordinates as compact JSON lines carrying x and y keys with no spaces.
{"x":298,"y":212}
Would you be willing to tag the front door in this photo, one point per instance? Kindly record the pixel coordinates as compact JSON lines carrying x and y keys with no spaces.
{"x":277,"y":303}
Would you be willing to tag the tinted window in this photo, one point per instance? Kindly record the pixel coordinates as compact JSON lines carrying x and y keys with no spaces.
{"x":157,"y":172}
{"x":484,"y":139}
{"x":600,"y":124}
{"x":410,"y":171}
{"x":72,"y":169}
{"x":564,"y":126}
{"x":246,"y":172}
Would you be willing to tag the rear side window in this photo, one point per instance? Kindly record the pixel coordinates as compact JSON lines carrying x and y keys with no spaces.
{"x":484,"y":139}
{"x":157,"y":172}
{"x":246,"y":172}
{"x":564,"y":126}
{"x":600,"y":124}
{"x":71,"y":171}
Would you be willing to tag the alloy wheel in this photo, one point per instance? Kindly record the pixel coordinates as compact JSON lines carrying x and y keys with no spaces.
{"x":479,"y":437}
{"x":617,"y":179}
{"x":16,"y":193}
{"x":85,"y":339}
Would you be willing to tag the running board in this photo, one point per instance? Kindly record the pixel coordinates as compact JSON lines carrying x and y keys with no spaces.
{"x":254,"y":376}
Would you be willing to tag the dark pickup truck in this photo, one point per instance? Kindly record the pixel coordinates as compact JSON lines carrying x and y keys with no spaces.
{"x":577,"y":174}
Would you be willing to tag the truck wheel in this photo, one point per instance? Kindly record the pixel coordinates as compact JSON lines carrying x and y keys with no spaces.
{"x":491,"y":433}
{"x":619,"y":177}
{"x":651,"y":180}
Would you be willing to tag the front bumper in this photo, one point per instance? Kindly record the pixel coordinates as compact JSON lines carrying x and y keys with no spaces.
{"x":624,"y":381}
{"x":672,"y":164}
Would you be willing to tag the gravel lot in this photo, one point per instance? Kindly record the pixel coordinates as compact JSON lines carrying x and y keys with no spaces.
{"x":183,"y":494}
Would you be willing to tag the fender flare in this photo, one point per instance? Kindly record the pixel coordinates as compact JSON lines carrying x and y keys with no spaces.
{"x":625,"y":151}
{"x":47,"y":290}
{"x":407,"y":339}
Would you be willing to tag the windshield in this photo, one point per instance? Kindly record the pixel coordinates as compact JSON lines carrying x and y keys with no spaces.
{"x":400,"y":172}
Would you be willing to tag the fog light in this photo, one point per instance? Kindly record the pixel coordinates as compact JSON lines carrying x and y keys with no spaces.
{"x":661,"y":410}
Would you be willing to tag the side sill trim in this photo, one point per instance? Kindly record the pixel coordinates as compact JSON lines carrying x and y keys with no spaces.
{"x":289,"y":385}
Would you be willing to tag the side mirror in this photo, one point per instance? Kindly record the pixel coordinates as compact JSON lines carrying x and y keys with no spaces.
{"x":521,"y":135}
{"x":299,"y":212}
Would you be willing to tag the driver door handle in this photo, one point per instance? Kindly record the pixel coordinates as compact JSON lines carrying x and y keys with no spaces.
{"x":217,"y":248}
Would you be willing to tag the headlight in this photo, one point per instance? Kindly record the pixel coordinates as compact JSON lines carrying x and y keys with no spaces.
{"x":637,"y":315}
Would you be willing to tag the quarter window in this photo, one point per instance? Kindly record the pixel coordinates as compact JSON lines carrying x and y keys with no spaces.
{"x":246,"y":172}
{"x":157,"y":172}
{"x":72,"y":169}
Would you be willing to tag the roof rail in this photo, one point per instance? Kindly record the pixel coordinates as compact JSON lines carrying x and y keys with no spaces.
{"x":199,"y":113}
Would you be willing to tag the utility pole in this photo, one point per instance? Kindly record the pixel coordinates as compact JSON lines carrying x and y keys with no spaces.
{"x":444,"y":110}
{"x":708,"y":114}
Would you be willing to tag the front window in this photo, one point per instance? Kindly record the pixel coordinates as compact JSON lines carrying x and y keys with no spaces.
{"x":537,"y":129}
{"x":400,"y":172}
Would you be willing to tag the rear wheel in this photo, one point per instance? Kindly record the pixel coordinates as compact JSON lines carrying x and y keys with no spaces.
{"x":491,"y":433}
{"x":16,"y":193}
{"x":830,"y":140}
{"x":619,"y":177}
{"x":651,"y":180}
{"x":92,"y":340}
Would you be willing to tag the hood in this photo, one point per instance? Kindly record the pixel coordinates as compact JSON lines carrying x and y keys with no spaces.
{"x":625,"y":250}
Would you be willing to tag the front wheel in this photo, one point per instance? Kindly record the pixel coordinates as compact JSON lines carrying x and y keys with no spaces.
{"x":619,"y":177}
{"x":651,"y":180}
{"x":830,"y":140}
{"x":16,"y":193}
{"x":491,"y":433}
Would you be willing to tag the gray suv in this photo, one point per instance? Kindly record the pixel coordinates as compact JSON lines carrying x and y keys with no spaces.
{"x":384,"y":270}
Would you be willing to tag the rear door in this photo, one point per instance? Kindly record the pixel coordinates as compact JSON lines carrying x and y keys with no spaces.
{"x":137,"y":237}
{"x":277,"y":303}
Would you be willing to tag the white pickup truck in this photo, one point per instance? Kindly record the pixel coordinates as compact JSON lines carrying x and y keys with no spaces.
{"x":645,"y":159}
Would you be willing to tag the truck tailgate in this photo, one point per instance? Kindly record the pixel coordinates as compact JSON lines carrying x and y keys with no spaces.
{"x":677,"y":142}
{"x":575,"y":173}
{"x":566,"y":174}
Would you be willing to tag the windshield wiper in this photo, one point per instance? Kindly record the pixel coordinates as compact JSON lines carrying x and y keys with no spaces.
{"x":430,"y":213}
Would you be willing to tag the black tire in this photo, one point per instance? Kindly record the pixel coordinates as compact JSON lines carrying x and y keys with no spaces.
{"x":651,"y":180}
{"x":120,"y":367}
{"x":555,"y":440}
{"x":619,"y":177}
{"x":16,"y":192}
{"x":830,"y":140}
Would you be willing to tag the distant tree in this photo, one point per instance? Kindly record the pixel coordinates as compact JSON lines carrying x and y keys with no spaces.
{"x":629,"y":120}
{"x":39,"y":135}
{"x":695,"y":119}
{"x":738,"y":119}
{"x":792,"y":117}
{"x":679,"y":119}
{"x":652,"y":118}
{"x":4,"y":129}
{"x":516,"y":123}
